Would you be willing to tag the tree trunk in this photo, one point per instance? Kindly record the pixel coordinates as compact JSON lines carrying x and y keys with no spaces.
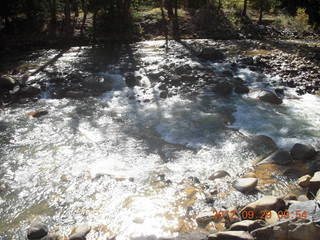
{"x":261,"y":11}
{"x":53,"y":17}
{"x":67,"y":18}
{"x":176,"y":21}
{"x":245,"y":6}
{"x":85,"y":13}
{"x":94,"y":24}
{"x":164,"y":22}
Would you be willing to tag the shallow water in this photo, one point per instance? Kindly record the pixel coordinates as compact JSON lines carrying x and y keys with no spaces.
{"x":106,"y":160}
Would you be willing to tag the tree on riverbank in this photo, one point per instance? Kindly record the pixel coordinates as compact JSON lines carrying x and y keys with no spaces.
{"x":139,"y":19}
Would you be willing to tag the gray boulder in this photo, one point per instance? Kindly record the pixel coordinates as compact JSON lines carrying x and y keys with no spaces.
{"x":269,"y":97}
{"x":281,"y":157}
{"x":7,"y":83}
{"x":37,"y":231}
{"x":302,"y":152}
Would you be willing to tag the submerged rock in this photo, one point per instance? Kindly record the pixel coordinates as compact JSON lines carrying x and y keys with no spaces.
{"x":241,"y":89}
{"x":302,"y":152}
{"x":245,"y":184}
{"x":223,"y":88}
{"x":211,"y":54}
{"x":262,"y":145}
{"x":37,"y":231}
{"x":269,"y":97}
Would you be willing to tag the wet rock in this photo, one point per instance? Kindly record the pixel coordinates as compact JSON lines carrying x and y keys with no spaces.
{"x":223,"y":88}
{"x":307,"y":209}
{"x":302,"y":198}
{"x":163,"y":94}
{"x":272,"y":217}
{"x":80,"y":233}
{"x":31,"y":91}
{"x":245,"y":184}
{"x":280,"y":157}
{"x":37,"y":231}
{"x":100,"y":83}
{"x":131,"y":80}
{"x":241,"y":89}
{"x":219,"y":174}
{"x":204,"y":218}
{"x":262,"y":145}
{"x":247,"y":225}
{"x":247,"y":60}
{"x":290,"y":197}
{"x":7,"y":82}
{"x":265,"y":203}
{"x":249,"y":175}
{"x":317,"y":196}
{"x":37,"y":114}
{"x":228,"y":235}
{"x":304,"y":181}
{"x":269,"y":97}
{"x":211,"y":54}
{"x":315,"y":181}
{"x":302,"y":152}
{"x":52,"y":237}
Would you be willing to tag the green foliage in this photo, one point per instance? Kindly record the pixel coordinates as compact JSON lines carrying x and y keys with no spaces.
{"x":298,"y":23}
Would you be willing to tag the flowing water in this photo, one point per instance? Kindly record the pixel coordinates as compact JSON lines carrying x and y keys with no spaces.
{"x":124,"y":161}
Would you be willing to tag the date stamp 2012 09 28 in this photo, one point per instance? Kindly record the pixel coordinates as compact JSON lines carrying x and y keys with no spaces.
{"x":263,"y":214}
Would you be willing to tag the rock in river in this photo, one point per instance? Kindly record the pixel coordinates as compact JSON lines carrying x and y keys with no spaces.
{"x":302,"y":151}
{"x":245,"y":184}
{"x":269,"y":97}
{"x":7,"y":82}
{"x":247,"y":225}
{"x":37,"y":231}
{"x":228,"y":235}
{"x":80,"y":233}
{"x":280,"y":157}
{"x":265,"y":203}
{"x":304,"y":181}
{"x":219,"y":174}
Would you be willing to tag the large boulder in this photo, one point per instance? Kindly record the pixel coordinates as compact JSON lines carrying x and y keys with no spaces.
{"x":281,"y":157}
{"x":264,"y":204}
{"x":314,"y":183}
{"x":302,"y":152}
{"x":7,"y":83}
{"x":231,"y":235}
{"x":245,"y":184}
{"x":261,"y":145}
{"x":37,"y":231}
{"x":269,"y":97}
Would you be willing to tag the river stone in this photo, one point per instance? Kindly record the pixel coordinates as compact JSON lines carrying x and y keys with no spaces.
{"x":219,"y":174}
{"x":231,"y":235}
{"x":31,"y":91}
{"x":317,"y":196}
{"x":204,"y":218}
{"x":311,"y":208}
{"x":211,"y":54}
{"x":269,"y":97}
{"x":80,"y":233}
{"x":280,"y":157}
{"x":303,"y":229}
{"x":302,"y":198}
{"x":223,"y":88}
{"x":304,"y":181}
{"x":7,"y":83}
{"x":249,"y":175}
{"x":262,"y":145}
{"x":302,"y":151}
{"x":247,"y":225}
{"x":37,"y":231}
{"x":273,"y":217}
{"x":245,"y":184}
{"x":315,"y":181}
{"x":265,"y":203}
{"x":37,"y":114}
